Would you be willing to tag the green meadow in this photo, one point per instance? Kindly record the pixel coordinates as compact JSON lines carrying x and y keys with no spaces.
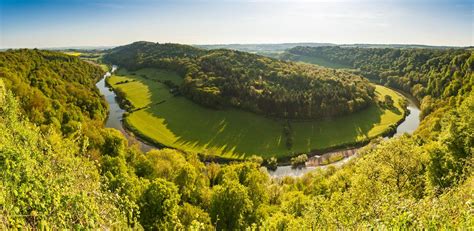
{"x":177,"y":122}
{"x":73,"y":53}
{"x":319,"y":61}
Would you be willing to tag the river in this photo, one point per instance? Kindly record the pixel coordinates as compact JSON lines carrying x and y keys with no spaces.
{"x":114,"y":120}
{"x":413,"y":119}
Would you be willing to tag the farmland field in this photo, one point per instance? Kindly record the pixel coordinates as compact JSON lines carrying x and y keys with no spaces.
{"x":177,"y":122}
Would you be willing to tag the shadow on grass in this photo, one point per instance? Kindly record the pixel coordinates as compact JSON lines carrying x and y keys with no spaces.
{"x":392,"y":108}
{"x":203,"y":129}
{"x":333,"y":132}
{"x":241,"y":134}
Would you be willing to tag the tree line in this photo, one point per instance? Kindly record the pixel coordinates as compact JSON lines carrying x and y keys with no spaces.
{"x":427,"y":74}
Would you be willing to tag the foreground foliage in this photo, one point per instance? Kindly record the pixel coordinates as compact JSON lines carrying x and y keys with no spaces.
{"x":46,"y":181}
{"x":52,"y":180}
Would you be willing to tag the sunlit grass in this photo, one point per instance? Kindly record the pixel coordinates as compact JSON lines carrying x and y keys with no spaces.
{"x":177,"y":122}
{"x":73,"y":53}
{"x":319,"y":61}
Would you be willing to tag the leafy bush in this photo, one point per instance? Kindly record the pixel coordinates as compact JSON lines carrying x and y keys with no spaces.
{"x":159,"y":206}
{"x":272,"y":163}
{"x":299,"y":161}
{"x":46,"y":180}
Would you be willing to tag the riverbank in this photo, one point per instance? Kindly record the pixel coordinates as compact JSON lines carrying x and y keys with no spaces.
{"x":115,"y":113}
{"x":321,"y":154}
{"x":331,"y":155}
{"x":233,"y":134}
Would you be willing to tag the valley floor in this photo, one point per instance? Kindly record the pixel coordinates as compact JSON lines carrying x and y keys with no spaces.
{"x":174,"y":121}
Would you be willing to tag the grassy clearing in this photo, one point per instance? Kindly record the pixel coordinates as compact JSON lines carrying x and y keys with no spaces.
{"x":177,"y":122}
{"x":73,"y":53}
{"x":104,"y":67}
{"x":359,"y":126}
{"x":320,"y":62}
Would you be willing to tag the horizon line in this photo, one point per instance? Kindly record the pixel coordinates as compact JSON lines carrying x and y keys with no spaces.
{"x":237,"y":43}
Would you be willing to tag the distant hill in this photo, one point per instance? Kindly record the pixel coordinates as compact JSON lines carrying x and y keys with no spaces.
{"x":280,"y":47}
{"x":262,"y":47}
{"x":363,"y":45}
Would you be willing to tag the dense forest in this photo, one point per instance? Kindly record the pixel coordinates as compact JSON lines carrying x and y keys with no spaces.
{"x":91,"y":177}
{"x":54,"y":89}
{"x":221,"y":78}
{"x":436,"y":73}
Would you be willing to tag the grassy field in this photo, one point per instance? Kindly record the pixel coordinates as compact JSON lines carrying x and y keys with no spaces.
{"x":320,"y":62}
{"x":73,"y":53}
{"x":175,"y":121}
{"x":104,"y":67}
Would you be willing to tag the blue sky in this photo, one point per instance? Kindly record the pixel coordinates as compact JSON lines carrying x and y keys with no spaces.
{"x":59,"y":23}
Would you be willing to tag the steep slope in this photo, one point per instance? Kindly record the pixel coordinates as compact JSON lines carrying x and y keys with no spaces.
{"x":46,"y":181}
{"x":54,"y":88}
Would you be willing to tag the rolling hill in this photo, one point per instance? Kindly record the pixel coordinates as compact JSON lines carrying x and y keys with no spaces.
{"x":227,"y":78}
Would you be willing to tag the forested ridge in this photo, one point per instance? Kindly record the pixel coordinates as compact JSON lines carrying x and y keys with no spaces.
{"x":92,"y":178}
{"x":54,"y":89}
{"x":435,"y":73}
{"x":221,"y":78}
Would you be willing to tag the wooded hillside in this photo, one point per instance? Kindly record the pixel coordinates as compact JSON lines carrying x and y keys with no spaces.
{"x":222,"y":78}
{"x":54,"y":89}
{"x":439,"y":73}
{"x":54,"y":180}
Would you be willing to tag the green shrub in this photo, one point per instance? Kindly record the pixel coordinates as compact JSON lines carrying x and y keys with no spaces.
{"x":299,"y":161}
{"x":272,"y":163}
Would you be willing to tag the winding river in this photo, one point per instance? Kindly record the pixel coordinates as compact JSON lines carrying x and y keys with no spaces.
{"x":114,"y":120}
